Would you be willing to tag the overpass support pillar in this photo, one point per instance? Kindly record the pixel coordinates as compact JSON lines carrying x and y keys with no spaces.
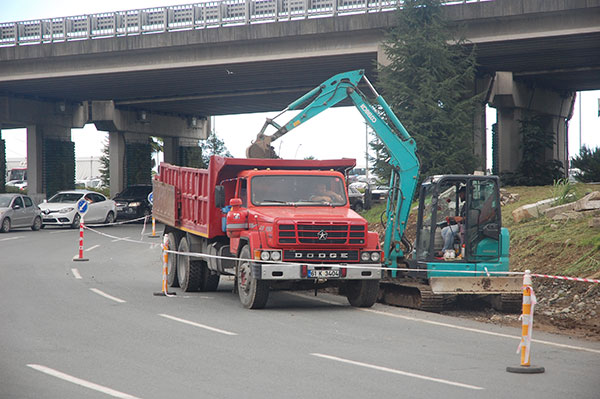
{"x":130,"y":160}
{"x":116,"y":155}
{"x":50,"y":159}
{"x":183,"y":152}
{"x":516,"y":101}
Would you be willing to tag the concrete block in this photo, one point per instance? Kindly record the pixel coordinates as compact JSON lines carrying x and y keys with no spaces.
{"x":589,"y":202}
{"x":531,"y":211}
{"x":525,"y":212}
{"x":570,"y":215}
{"x":555,"y":210}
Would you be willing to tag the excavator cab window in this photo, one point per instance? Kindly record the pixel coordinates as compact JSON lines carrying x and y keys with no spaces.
{"x":483,"y":223}
{"x":442,"y":211}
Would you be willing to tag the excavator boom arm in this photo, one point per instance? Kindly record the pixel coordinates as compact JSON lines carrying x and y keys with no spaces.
{"x":385,"y":124}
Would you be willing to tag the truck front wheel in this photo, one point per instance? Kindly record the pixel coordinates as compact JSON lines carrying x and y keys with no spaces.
{"x":253,"y":293}
{"x":189,"y":272}
{"x":362,"y":293}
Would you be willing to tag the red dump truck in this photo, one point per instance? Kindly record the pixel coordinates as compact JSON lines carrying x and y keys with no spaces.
{"x":272,"y":223}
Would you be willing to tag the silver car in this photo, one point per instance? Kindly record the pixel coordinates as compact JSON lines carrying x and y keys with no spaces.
{"x":61,"y":209}
{"x":18,"y":210}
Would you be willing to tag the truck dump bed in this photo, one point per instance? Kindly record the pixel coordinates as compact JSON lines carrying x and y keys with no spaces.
{"x":184,"y":197}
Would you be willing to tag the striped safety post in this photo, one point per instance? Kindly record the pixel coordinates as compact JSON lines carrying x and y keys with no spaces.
{"x":529,"y":302}
{"x":153,"y":235}
{"x":80,"y":257}
{"x":165,"y":269}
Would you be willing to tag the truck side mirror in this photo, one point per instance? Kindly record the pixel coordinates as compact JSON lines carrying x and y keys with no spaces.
{"x":219,"y":196}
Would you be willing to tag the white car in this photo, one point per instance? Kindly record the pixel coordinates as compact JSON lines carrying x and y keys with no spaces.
{"x":61,"y":209}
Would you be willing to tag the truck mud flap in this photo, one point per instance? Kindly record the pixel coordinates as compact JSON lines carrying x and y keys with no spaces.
{"x":476,"y":285}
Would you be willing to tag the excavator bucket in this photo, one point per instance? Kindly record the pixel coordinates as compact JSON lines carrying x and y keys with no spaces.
{"x":261,"y":148}
{"x":476,"y":285}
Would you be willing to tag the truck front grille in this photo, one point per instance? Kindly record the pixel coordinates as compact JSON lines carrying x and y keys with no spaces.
{"x":320,"y":233}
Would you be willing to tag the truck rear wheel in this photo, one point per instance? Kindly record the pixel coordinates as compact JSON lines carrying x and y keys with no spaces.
{"x":210,"y":281}
{"x":189,"y":272}
{"x":172,"y":262}
{"x":363,"y":293}
{"x":253,"y":293}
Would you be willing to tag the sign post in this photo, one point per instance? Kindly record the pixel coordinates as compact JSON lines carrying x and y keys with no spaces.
{"x":82,"y":207}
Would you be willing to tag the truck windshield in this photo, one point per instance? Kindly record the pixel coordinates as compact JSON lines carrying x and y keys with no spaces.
{"x":297,"y":190}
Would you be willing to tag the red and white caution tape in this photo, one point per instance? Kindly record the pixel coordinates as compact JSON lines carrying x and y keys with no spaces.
{"x":585,"y":280}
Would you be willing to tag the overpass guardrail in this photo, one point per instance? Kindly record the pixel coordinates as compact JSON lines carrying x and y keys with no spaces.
{"x":208,"y":14}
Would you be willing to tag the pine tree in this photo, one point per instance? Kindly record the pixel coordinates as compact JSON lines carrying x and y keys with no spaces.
{"x":428,"y":83}
{"x":213,"y":146}
{"x":105,"y":165}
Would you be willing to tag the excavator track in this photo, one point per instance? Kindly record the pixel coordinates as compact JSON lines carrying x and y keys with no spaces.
{"x":508,"y":303}
{"x":411,"y":295}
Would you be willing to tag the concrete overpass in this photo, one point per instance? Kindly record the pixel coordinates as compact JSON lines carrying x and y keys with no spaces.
{"x":163,"y":71}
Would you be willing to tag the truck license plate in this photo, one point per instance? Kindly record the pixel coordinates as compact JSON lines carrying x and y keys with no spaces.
{"x":323,"y":273}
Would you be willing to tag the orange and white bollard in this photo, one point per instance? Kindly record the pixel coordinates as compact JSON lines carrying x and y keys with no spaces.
{"x":529,"y":302}
{"x":80,"y":258}
{"x":165,"y":270}
{"x":153,"y":234}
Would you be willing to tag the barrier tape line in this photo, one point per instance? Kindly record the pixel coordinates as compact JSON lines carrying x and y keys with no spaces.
{"x":585,"y":280}
{"x":349,"y":266}
{"x":115,"y":223}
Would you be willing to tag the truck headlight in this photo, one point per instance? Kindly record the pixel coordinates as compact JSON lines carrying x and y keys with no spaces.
{"x":265,"y":255}
{"x":275,"y":255}
{"x":365,"y":256}
{"x":375,"y":256}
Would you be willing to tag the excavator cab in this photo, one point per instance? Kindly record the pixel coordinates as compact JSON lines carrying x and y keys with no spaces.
{"x":459,"y":226}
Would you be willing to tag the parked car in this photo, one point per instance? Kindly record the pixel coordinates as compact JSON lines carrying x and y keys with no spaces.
{"x":133,"y":202}
{"x":61,"y":209}
{"x":380,"y":193}
{"x":18,"y":210}
{"x":357,"y":199}
{"x":20,"y":184}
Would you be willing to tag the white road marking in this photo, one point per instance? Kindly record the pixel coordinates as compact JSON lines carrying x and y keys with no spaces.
{"x":11,"y":238}
{"x":438,"y":323}
{"x":120,"y":239}
{"x":400,"y":372}
{"x":83,"y":383}
{"x":92,"y":248}
{"x":191,"y":323}
{"x":76,"y":274}
{"x":104,"y":294}
{"x":475,"y":330}
{"x":61,"y":231}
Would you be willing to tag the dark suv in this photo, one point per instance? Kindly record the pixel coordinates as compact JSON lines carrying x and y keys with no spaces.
{"x":133,"y":202}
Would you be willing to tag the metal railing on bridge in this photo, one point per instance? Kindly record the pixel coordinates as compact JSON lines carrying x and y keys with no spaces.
{"x":209,"y":14}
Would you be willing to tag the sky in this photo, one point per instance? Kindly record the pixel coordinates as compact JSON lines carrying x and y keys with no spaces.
{"x":336,"y":133}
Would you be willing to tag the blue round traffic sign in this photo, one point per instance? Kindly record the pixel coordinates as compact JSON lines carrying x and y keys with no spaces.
{"x":82,"y":206}
{"x":151,"y":197}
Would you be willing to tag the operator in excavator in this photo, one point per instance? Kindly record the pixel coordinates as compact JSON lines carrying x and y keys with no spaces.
{"x":451,"y":230}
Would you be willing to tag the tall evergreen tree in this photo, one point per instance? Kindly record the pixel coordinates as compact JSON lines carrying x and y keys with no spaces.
{"x":213,"y":146}
{"x":428,"y":83}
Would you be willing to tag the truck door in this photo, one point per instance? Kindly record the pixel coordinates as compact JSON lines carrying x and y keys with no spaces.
{"x":483,"y":222}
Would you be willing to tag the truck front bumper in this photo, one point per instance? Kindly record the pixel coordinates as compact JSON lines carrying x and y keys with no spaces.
{"x":286,"y":271}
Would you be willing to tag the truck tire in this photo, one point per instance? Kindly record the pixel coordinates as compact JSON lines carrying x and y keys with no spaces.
{"x":189,"y":272}
{"x":253,"y":293}
{"x":172,"y":262}
{"x":210,"y":281}
{"x":362,"y":293}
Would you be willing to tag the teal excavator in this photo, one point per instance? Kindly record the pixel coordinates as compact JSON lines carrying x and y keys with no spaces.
{"x":460,"y":250}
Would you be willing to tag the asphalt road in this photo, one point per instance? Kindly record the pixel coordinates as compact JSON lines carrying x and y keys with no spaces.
{"x":95,"y":330}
